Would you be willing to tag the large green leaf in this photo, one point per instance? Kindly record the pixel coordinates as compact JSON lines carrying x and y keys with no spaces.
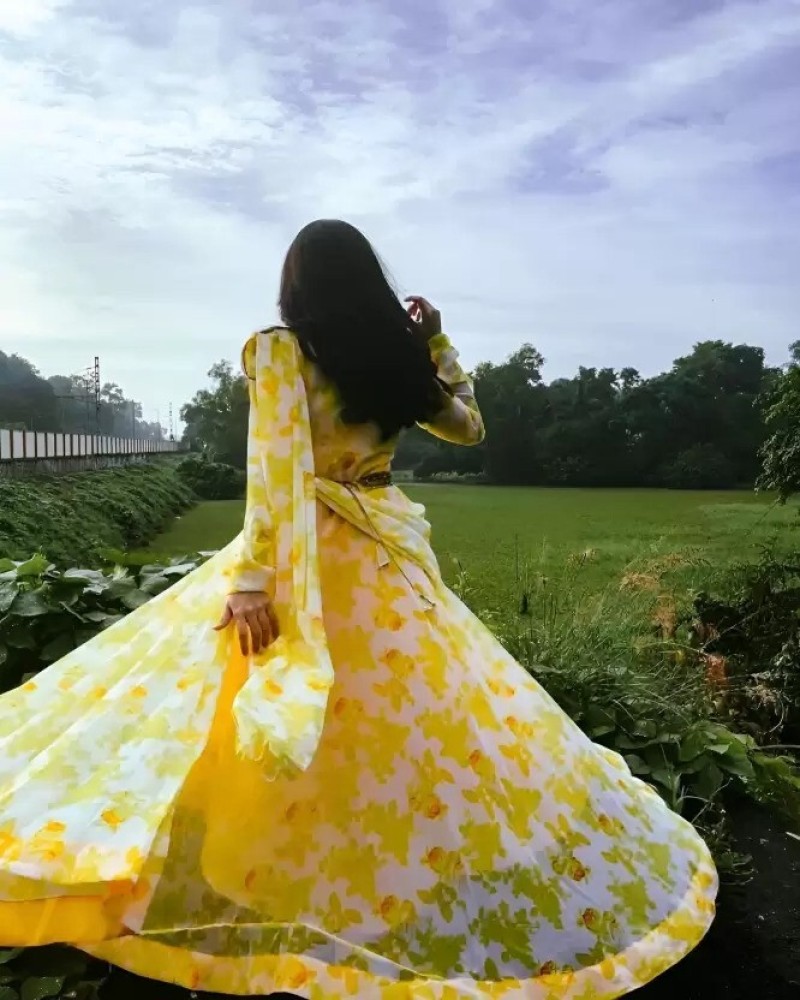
{"x":36,"y":566}
{"x":709,"y":781}
{"x":19,"y":635}
{"x":693,"y":745}
{"x":57,"y":648}
{"x":41,"y":987}
{"x":30,"y":604}
{"x":83,"y":991}
{"x":98,"y":617}
{"x":8,"y":993}
{"x":8,"y":593}
{"x":87,"y":575}
{"x":637,"y":765}
{"x":135,"y":599}
{"x":54,"y":961}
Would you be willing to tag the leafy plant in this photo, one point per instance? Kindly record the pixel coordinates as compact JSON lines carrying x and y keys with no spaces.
{"x":46,"y":612}
{"x":73,"y":519}
{"x":43,"y":973}
{"x":781,"y":451}
{"x":622,"y":665}
{"x":748,"y":633}
{"x":212,"y":480}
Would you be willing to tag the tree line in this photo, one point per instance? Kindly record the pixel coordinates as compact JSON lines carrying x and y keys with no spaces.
{"x":700,"y":425}
{"x":67,"y":404}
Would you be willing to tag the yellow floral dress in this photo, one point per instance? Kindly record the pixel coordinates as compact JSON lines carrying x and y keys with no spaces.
{"x":384,"y":805}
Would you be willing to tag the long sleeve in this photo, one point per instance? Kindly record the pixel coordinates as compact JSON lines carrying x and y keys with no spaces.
{"x":459,"y":421}
{"x":255,"y":568}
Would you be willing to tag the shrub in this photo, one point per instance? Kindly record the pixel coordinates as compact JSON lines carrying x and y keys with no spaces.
{"x":46,"y":612}
{"x":212,"y":480}
{"x":781,"y":451}
{"x":36,"y":973}
{"x":701,"y":467}
{"x":748,"y":634}
{"x":622,"y":665}
{"x":74,"y":519}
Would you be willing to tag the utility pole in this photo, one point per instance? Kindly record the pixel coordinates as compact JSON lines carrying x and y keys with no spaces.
{"x":97,"y":394}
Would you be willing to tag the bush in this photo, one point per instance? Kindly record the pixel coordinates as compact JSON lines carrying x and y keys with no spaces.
{"x":748,"y":634}
{"x":622,"y":665}
{"x":701,"y":467}
{"x":36,"y":973}
{"x":74,"y":519}
{"x":46,"y":612}
{"x":781,"y":451}
{"x":212,"y":480}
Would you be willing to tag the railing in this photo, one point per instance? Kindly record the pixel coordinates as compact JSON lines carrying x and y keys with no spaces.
{"x":31,"y":446}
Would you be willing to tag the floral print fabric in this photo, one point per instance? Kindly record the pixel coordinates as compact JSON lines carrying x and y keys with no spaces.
{"x":384,"y":806}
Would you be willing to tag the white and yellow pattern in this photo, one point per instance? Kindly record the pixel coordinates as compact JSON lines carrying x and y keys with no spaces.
{"x":383,"y":806}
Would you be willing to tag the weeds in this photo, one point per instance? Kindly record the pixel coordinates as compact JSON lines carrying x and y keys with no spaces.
{"x":624,"y":664}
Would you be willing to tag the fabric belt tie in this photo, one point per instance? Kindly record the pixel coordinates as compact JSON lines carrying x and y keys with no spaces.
{"x":392,"y":549}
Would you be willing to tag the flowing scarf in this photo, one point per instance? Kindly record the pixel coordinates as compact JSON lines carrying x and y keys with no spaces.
{"x":279,"y":711}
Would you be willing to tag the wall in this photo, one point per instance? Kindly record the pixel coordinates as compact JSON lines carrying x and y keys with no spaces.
{"x":49,"y":453}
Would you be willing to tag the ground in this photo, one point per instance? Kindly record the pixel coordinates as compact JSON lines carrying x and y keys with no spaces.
{"x":503,"y":539}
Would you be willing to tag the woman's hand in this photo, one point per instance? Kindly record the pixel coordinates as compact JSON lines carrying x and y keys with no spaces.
{"x":426,"y":316}
{"x":255,"y":620}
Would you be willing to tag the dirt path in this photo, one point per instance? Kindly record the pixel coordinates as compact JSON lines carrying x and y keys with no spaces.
{"x":753,"y":950}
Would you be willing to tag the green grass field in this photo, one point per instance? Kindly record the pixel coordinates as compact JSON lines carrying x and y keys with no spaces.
{"x":503,"y":537}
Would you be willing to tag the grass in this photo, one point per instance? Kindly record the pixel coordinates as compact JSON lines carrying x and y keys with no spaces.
{"x":209,"y":526}
{"x":498,"y":536}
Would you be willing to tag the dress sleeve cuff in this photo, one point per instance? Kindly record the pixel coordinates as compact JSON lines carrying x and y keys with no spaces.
{"x":439,"y":345}
{"x":253,"y":581}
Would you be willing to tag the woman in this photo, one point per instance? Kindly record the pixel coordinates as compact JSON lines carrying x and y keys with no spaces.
{"x":349,"y":789}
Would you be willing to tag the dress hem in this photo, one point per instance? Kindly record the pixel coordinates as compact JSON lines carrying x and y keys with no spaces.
{"x":662,"y":948}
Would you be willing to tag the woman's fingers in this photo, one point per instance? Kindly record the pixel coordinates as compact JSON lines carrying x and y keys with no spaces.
{"x":273,"y":621}
{"x":254,"y":624}
{"x":227,"y":618}
{"x":422,"y":304}
{"x":244,"y":635}
{"x":425,"y":314}
{"x":264,"y":623}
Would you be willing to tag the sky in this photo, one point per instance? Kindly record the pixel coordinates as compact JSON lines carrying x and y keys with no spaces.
{"x":611,"y":182}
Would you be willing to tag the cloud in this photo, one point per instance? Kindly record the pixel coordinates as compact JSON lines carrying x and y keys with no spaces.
{"x":611,"y":182}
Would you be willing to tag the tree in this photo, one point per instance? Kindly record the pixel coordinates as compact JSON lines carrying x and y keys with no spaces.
{"x":699,"y":425}
{"x":26,"y":399}
{"x":781,"y":450}
{"x":512,"y":399}
{"x":66,"y":403}
{"x":216,"y":418}
{"x":584,"y":440}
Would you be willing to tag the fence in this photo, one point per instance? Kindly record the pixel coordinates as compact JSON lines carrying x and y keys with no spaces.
{"x":37,"y":446}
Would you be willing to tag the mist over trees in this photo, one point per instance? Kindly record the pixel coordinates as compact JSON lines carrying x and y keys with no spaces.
{"x":66,"y":403}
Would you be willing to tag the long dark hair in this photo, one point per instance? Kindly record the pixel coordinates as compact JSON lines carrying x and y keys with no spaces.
{"x":336,"y":298}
